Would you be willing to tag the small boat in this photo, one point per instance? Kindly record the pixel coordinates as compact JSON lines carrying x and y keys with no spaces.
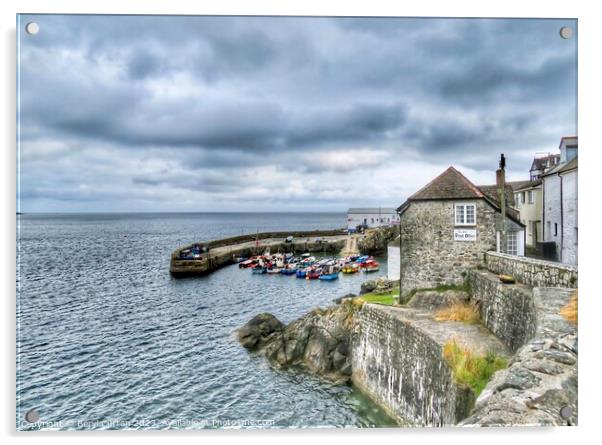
{"x":259,"y":270}
{"x":288,"y":271}
{"x":364,"y":259}
{"x":313,"y":274}
{"x":329,"y":276}
{"x":306,"y":255}
{"x":301,"y":273}
{"x":274,"y":270}
{"x":350,"y":268}
{"x":371,"y":266}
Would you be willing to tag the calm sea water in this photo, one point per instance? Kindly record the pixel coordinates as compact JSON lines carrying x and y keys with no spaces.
{"x":106,"y":338}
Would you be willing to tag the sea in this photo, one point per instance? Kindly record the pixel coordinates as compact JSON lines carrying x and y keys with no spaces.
{"x":108,"y":339}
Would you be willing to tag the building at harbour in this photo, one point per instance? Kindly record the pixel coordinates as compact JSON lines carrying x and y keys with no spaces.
{"x":371,"y":217}
{"x":446,"y":228}
{"x":560,"y":203}
{"x":528,"y":197}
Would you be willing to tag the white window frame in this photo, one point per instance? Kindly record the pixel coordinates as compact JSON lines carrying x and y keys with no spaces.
{"x":531,"y":197}
{"x":464,"y":206}
{"x":512,"y":240}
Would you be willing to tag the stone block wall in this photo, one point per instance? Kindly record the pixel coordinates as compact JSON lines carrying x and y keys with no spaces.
{"x":532,"y":272}
{"x":429,"y":254}
{"x":507,"y":310}
{"x":402,"y":368}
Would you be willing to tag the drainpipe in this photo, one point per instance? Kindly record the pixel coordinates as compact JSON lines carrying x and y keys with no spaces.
{"x":400,"y":266}
{"x":561,"y":218}
{"x":501,"y":186}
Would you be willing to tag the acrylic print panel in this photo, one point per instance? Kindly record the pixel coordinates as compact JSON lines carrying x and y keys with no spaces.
{"x":275,"y":222}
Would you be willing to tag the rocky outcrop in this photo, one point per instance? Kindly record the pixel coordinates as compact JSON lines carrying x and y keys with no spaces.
{"x":540,"y":385}
{"x":379,"y":286}
{"x":319,"y":341}
{"x":259,"y":331}
{"x":375,"y":241}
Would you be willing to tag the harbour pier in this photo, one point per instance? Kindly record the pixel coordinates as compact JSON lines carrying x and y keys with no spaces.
{"x":205,"y":257}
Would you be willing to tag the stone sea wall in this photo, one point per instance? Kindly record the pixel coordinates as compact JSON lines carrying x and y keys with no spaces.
{"x":540,"y":385}
{"x":532,"y":272}
{"x":402,"y":368}
{"x":507,"y":310}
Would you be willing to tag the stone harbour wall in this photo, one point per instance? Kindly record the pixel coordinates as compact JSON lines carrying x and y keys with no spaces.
{"x":539,"y":388}
{"x":507,"y":310}
{"x":402,"y":368}
{"x":532,"y":272}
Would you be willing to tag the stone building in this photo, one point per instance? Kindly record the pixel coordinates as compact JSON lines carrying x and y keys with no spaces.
{"x":447,"y":227}
{"x":560,"y":202}
{"x":371,"y":217}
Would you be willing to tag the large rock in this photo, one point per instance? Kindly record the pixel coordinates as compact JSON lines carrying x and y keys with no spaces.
{"x":376,"y":240}
{"x":259,"y":330}
{"x":318,"y":341}
{"x":379,"y":286}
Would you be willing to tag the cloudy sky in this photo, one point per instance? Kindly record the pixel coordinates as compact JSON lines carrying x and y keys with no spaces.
{"x":129,"y":113}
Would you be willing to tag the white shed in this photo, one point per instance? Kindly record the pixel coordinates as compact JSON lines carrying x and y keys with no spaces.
{"x":371,"y":217}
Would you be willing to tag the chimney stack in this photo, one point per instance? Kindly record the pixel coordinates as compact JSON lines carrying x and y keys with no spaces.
{"x":500,"y":179}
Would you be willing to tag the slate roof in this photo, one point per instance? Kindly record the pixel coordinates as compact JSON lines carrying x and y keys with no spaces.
{"x":376,"y":210}
{"x":451,"y":184}
{"x":491,"y":192}
{"x":565,"y":166}
{"x":540,"y":163}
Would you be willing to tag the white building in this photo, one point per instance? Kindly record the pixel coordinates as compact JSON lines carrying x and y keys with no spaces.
{"x":393,"y":260}
{"x":371,"y":217}
{"x":560,"y":200}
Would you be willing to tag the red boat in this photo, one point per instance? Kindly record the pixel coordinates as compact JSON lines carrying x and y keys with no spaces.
{"x":371,"y":266}
{"x":313,"y":274}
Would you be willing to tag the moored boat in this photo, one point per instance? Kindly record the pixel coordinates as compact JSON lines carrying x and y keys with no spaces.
{"x":313,"y":274}
{"x":371,"y":266}
{"x":329,"y":276}
{"x":350,"y":268}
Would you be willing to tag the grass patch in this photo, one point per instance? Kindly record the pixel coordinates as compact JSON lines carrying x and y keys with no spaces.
{"x":471,"y":370}
{"x":569,"y":311}
{"x":465,"y":313}
{"x":387,"y":299}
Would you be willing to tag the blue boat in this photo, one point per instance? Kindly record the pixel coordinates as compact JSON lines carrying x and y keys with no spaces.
{"x":288,"y":271}
{"x":329,"y":276}
{"x":301,"y":273}
{"x":259,"y":270}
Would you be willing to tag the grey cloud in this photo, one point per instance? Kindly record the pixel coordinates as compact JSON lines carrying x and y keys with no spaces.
{"x":312,"y":98}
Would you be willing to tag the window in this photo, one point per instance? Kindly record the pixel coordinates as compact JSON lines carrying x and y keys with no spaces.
{"x":522,"y":198}
{"x":512,"y":243}
{"x":465,"y":214}
{"x":530,"y":197}
{"x":517,"y":198}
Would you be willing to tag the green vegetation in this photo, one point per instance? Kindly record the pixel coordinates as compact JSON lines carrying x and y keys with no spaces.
{"x":470,"y":370}
{"x":387,"y":298}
